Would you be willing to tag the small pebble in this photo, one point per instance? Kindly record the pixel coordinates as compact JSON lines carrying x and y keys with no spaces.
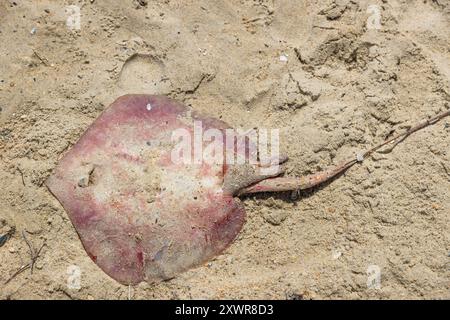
{"x":3,"y":239}
{"x":283,"y":58}
{"x":33,"y":31}
{"x":335,"y":254}
{"x":149,"y":107}
{"x":359,"y":157}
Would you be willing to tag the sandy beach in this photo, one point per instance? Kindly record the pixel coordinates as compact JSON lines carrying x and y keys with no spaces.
{"x":335,"y":77}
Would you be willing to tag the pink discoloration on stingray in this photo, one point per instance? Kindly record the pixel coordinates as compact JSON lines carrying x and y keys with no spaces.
{"x":139,"y":216}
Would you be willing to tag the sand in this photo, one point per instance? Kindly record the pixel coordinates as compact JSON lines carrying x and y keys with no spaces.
{"x":323,"y":72}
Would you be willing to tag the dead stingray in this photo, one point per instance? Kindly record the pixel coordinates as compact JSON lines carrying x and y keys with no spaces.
{"x":142,"y":217}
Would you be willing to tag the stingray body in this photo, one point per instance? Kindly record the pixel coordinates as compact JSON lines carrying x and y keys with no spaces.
{"x":139,"y":215}
{"x":142,"y":216}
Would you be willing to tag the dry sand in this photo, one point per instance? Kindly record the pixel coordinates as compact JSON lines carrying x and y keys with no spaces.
{"x":339,"y":88}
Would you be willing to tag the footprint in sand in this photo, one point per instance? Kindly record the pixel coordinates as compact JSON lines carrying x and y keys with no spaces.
{"x":143,"y":73}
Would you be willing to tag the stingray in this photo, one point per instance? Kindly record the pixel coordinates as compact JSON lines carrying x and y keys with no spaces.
{"x":140,"y":215}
